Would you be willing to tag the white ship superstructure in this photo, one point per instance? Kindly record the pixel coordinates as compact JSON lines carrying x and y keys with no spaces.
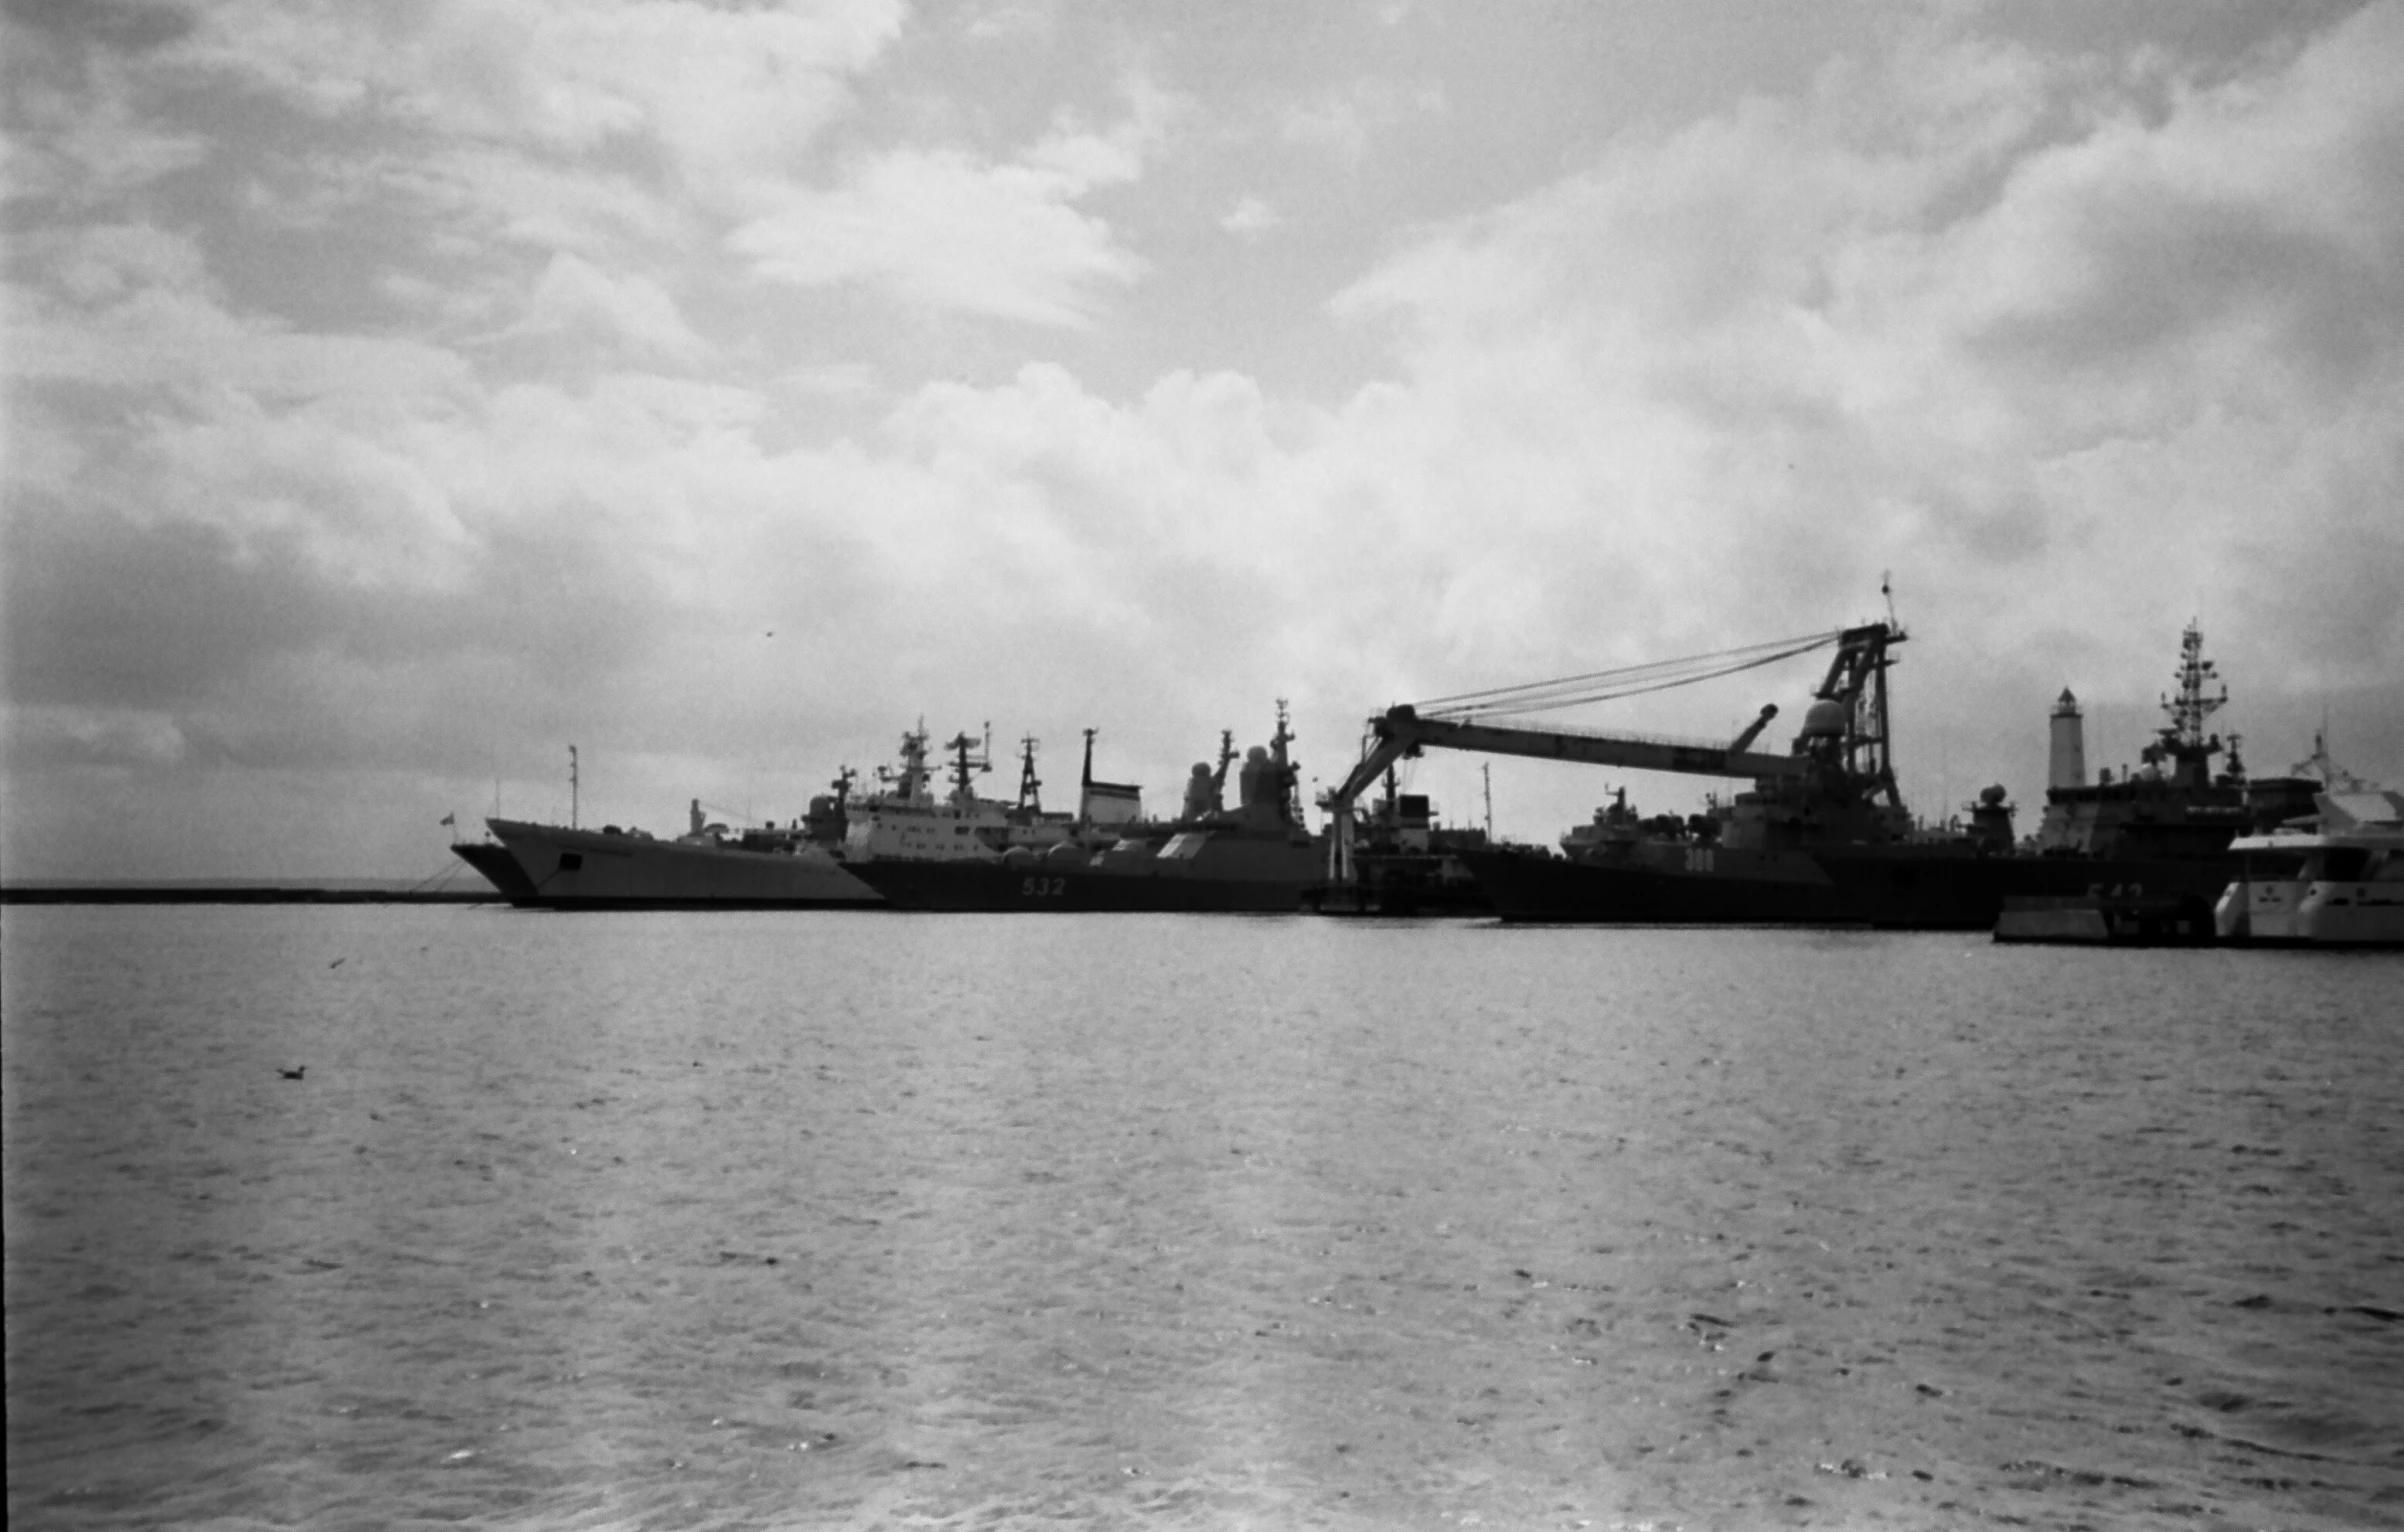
{"x":907,"y":822}
{"x":2338,"y":881}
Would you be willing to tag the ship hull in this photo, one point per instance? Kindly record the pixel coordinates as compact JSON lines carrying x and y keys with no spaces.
{"x":994,"y":887}
{"x":498,"y":867}
{"x":1728,"y":889}
{"x":1200,"y":871}
{"x":589,"y":870}
{"x":1943,"y":888}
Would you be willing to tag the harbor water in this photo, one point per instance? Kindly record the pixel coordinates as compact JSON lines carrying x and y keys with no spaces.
{"x":866,"y":1220}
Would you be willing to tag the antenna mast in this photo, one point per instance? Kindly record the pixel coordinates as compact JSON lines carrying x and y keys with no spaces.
{"x":572,"y":788}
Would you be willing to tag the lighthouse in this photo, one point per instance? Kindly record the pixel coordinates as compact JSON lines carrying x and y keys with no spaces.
{"x":2068,"y":765}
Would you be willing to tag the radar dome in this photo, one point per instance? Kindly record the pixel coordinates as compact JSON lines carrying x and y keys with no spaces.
{"x":1824,"y":719}
{"x":1991,"y":796}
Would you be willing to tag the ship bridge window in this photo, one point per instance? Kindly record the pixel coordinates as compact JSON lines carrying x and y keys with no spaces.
{"x":2347,"y":864}
{"x":2273,"y":866}
{"x":2386,"y":867}
{"x":2340,"y":864}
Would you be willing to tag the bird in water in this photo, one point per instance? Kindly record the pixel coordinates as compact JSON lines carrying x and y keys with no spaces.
{"x":295,"y":1072}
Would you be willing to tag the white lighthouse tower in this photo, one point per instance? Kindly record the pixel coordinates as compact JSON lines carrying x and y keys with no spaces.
{"x":2068,"y":766}
{"x":2065,"y":774}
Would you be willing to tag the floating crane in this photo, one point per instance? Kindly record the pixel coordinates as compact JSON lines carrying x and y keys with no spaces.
{"x":1841,"y":756}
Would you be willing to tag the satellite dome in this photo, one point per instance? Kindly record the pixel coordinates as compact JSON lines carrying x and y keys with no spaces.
{"x":1991,"y":796}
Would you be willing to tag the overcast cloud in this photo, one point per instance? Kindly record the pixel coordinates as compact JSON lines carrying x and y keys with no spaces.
{"x":397,"y":396}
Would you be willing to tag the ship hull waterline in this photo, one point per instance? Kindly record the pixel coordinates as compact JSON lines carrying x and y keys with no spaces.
{"x":1000,"y":887}
{"x":569,"y":869}
{"x":1543,"y":890}
{"x":1938,"y":889}
{"x":497,"y":866}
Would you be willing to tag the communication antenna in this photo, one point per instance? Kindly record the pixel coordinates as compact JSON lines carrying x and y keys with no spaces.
{"x":1486,"y":771}
{"x":572,"y":787}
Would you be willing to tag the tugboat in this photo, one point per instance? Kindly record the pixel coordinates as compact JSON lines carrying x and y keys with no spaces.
{"x":2152,"y":844}
{"x":1255,"y":858}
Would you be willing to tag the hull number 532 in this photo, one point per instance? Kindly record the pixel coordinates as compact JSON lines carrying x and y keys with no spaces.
{"x":1042,"y":888}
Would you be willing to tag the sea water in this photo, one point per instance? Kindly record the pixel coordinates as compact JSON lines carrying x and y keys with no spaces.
{"x":858,"y":1219}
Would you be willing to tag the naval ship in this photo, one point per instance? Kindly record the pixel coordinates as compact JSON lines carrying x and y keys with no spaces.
{"x":2158,"y":833}
{"x":499,"y":868}
{"x":1254,"y":858}
{"x":568,"y":867}
{"x":563,"y":867}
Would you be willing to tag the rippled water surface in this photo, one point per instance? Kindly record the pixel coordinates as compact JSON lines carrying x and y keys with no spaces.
{"x":961,"y":1222}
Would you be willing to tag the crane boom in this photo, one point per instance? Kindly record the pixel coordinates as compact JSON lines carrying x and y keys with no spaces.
{"x":1400,"y":732}
{"x":1859,"y":739}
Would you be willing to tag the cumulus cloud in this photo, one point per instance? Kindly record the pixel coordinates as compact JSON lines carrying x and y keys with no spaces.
{"x":945,"y":229}
{"x":2008,"y":346}
{"x":573,"y":294}
{"x":727,"y":94}
{"x":2076,"y":351}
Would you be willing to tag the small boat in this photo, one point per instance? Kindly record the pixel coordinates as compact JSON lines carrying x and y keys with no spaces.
{"x":2335,"y":881}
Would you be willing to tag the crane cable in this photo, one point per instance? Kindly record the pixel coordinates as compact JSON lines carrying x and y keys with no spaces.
{"x":1626,"y":681}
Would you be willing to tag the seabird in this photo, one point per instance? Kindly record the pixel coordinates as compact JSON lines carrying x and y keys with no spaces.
{"x":295,"y":1073}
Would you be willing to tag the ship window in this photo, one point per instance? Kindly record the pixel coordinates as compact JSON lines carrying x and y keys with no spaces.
{"x":2386,"y":867}
{"x":2344,"y":864}
{"x":571,"y":861}
{"x":2272,"y":866}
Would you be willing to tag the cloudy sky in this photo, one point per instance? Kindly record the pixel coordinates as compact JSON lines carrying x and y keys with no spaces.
{"x":399,"y":394}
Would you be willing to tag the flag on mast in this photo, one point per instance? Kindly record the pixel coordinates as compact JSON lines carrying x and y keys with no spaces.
{"x":450,"y":819}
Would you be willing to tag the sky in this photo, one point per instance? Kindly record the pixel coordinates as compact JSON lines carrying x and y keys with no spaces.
{"x":398,"y":395}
